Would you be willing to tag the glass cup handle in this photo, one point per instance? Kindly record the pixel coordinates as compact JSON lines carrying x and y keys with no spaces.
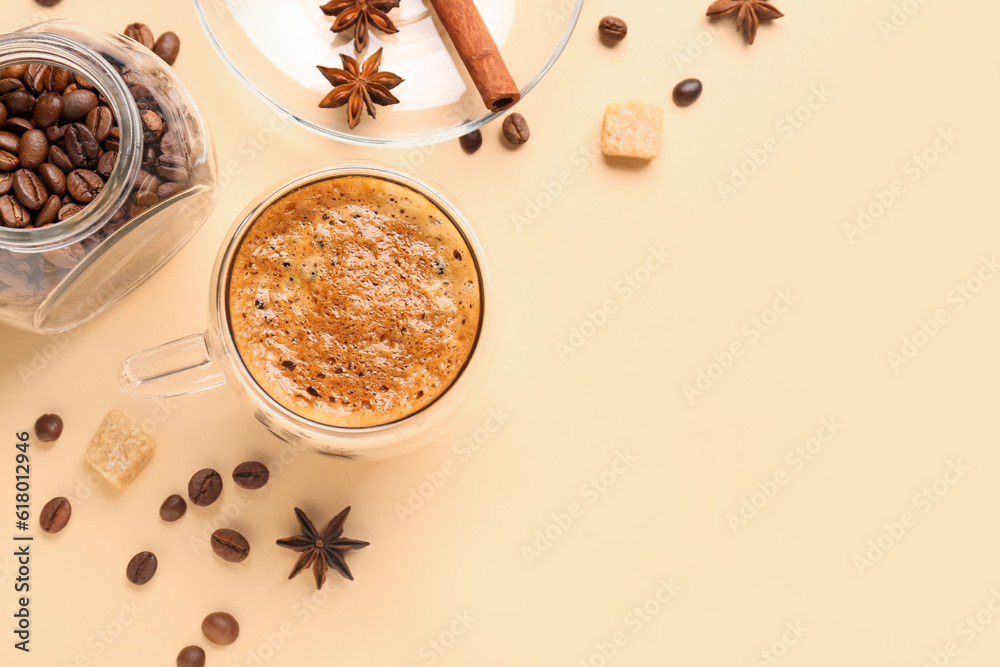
{"x":183,"y":366}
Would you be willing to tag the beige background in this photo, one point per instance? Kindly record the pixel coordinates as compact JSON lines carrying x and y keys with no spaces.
{"x":691,"y":463}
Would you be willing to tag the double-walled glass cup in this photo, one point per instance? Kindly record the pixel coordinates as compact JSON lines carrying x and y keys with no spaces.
{"x":203,"y":361}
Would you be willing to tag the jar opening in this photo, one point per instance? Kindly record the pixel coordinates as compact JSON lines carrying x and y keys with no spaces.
{"x":63,"y":51}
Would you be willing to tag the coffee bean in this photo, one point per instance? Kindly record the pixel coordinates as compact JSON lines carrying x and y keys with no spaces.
{"x":58,"y":157}
{"x":8,"y":161}
{"x":146,"y":199}
{"x":3,"y":113}
{"x":149,"y":155}
{"x":81,"y":146}
{"x":77,"y":104}
{"x":48,"y":427}
{"x":83,"y":185}
{"x":141,"y":568}
{"x":70,"y":88}
{"x":172,"y":168}
{"x":10,"y":142}
{"x":220,"y":628}
{"x":141,"y":92}
{"x":9,"y":85}
{"x":14,"y":71}
{"x":29,"y":190}
{"x":191,"y":656}
{"x":12,"y":214}
{"x":471,"y":141}
{"x":55,"y":133}
{"x":167,"y":46}
{"x":48,"y":3}
{"x":205,"y":487}
{"x":37,"y":76}
{"x":33,"y":150}
{"x":230,"y":546}
{"x":67,"y":212}
{"x":141,"y":33}
{"x":132,"y":77}
{"x":686,"y":92}
{"x":50,"y":212}
{"x":53,"y":178}
{"x":106,"y":163}
{"x":55,"y":515}
{"x":83,"y":82}
{"x":6,"y":181}
{"x":612,"y":29}
{"x":146,"y":181}
{"x":152,"y":126}
{"x":515,"y":129}
{"x":99,"y":122}
{"x":18,"y":125}
{"x":167,"y":190}
{"x":251,"y":475}
{"x":59,"y":79}
{"x":170,"y":144}
{"x":19,"y":103}
{"x":14,"y":271}
{"x":47,"y":110}
{"x":173,"y":508}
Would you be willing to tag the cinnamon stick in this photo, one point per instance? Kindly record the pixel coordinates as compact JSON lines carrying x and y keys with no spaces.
{"x":478,"y":51}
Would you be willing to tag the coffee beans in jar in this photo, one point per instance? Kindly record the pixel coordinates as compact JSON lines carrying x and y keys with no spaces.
{"x":97,"y":136}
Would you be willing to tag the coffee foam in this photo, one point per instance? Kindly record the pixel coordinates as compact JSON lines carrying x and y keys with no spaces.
{"x":354,"y":301}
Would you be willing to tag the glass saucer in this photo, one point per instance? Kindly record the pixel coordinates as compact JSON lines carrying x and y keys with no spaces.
{"x":274,"y":46}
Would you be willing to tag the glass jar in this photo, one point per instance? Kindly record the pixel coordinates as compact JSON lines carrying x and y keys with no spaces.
{"x":57,"y":276}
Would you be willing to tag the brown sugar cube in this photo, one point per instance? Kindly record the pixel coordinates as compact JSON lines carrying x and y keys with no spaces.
{"x":633,"y":129}
{"x":120,"y":449}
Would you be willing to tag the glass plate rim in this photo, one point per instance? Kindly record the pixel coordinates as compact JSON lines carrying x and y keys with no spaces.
{"x":435,"y":137}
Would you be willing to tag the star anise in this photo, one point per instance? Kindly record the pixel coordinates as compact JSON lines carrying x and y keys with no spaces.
{"x":354,"y":85}
{"x":751,"y":13}
{"x":321,"y":550}
{"x":361,"y":13}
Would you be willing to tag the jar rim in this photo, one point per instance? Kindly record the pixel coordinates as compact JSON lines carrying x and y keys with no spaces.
{"x":62,"y":50}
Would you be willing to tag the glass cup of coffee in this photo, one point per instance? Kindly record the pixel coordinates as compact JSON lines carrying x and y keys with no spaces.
{"x":349,"y":308}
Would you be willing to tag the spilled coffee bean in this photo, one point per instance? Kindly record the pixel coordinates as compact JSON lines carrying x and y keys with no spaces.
{"x":230,"y":546}
{"x":55,"y":515}
{"x":141,"y":568}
